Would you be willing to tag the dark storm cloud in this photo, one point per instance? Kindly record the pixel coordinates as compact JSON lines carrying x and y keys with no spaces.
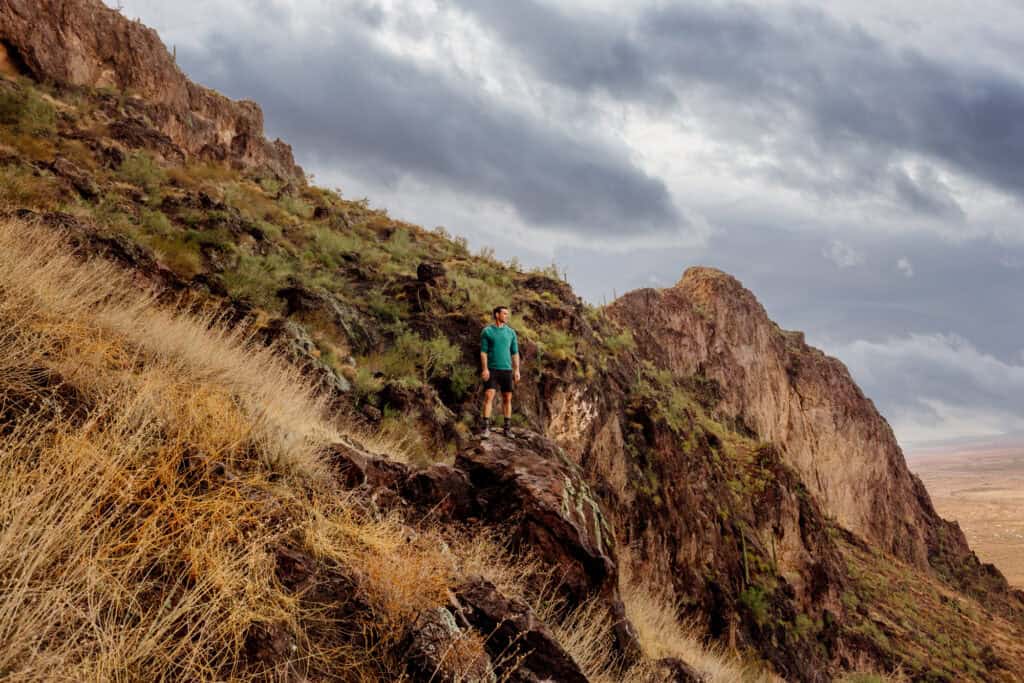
{"x":345,"y":102}
{"x":831,"y":104}
{"x":581,"y":52}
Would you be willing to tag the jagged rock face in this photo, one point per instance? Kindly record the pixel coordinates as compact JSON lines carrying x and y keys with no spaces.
{"x":85,"y":43}
{"x":527,"y":487}
{"x":792,"y":395}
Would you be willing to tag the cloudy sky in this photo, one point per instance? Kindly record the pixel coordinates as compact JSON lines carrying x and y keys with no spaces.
{"x":858,"y":167}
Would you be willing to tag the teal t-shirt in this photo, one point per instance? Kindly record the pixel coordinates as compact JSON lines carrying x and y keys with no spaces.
{"x":500,"y":344}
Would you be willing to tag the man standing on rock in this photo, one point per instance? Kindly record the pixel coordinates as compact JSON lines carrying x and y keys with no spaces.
{"x":499,"y":362}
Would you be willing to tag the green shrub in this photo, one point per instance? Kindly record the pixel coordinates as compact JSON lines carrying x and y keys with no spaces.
{"x":180,"y":256}
{"x":141,"y":170}
{"x":756,"y":602}
{"x":296,"y":206}
{"x":557,"y":345}
{"x":27,"y":110}
{"x":404,"y":358}
{"x":440,"y":357}
{"x":463,"y":378}
{"x":623,"y":341}
{"x":258,"y":277}
{"x":401,"y":252}
{"x":20,"y":186}
{"x":804,"y":626}
{"x":155,"y":222}
{"x":385,"y":308}
{"x":270,"y":230}
{"x":330,"y":246}
{"x":365,"y":384}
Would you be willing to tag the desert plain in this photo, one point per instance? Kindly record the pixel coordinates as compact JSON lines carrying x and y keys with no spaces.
{"x":982,"y":488}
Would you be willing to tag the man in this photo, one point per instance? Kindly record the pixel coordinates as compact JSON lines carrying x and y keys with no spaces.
{"x":499,"y":362}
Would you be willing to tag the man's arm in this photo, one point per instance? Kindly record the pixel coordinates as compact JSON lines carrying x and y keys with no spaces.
{"x":485,"y":346}
{"x":514,"y":349}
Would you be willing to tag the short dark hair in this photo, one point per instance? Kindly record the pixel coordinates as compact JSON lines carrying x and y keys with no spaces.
{"x":497,"y":310}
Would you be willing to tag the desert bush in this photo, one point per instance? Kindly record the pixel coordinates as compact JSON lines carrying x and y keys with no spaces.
{"x":27,"y":110}
{"x":155,"y":222}
{"x":258,"y":278}
{"x":330,"y":246}
{"x":142,"y":170}
{"x":621,"y":342}
{"x":557,"y":345}
{"x":402,"y":252}
{"x":253,"y":204}
{"x":387,"y":309}
{"x":21,"y":186}
{"x":482,"y":294}
{"x":296,"y":206}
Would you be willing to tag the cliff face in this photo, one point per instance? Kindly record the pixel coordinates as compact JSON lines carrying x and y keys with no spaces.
{"x":85,"y":43}
{"x":792,"y":395}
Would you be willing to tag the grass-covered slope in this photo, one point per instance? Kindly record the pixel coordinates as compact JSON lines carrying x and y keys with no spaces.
{"x":157,"y":472}
{"x":347,"y":272}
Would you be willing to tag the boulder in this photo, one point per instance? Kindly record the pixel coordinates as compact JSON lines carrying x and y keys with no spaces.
{"x":355,"y":467}
{"x":300,"y":349}
{"x":79,"y":179}
{"x":528,"y":483}
{"x":137,"y":134}
{"x":674,"y":670}
{"x":444,"y":488}
{"x":522,"y":646}
{"x":326,"y":309}
{"x":438,"y":651}
{"x":430,"y":272}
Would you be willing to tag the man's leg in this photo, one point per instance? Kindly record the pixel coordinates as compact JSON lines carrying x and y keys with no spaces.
{"x":506,"y":400}
{"x":488,"y":405}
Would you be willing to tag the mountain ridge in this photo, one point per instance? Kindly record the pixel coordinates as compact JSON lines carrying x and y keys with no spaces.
{"x":89,"y":44}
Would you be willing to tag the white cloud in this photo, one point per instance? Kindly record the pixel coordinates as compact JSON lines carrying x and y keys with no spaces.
{"x":905,"y":266}
{"x":842,"y":254}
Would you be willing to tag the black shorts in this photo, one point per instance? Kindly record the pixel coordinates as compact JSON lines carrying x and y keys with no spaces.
{"x":500,"y":379}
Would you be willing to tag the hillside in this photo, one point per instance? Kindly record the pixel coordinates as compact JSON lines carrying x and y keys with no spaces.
{"x":237,"y":433}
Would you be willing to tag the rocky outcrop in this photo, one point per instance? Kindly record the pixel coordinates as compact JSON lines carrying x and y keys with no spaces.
{"x":525,"y":486}
{"x":790,"y":394}
{"x":516,"y":635}
{"x":85,"y":43}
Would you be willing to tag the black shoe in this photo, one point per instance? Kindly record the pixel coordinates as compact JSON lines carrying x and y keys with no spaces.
{"x":507,"y":432}
{"x":485,"y":430}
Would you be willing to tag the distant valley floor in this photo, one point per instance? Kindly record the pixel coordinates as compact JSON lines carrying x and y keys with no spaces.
{"x":983,"y":489}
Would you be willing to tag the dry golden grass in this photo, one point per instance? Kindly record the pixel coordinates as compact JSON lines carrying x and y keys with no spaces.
{"x":586,"y":633}
{"x":150,"y":462}
{"x":662,"y":634}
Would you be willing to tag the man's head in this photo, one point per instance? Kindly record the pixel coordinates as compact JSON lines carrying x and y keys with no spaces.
{"x":501,"y":314}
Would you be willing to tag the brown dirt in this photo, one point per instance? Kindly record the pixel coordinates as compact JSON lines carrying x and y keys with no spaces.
{"x":982,"y":489}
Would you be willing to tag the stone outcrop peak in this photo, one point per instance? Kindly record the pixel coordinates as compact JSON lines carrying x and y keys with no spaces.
{"x":85,"y":43}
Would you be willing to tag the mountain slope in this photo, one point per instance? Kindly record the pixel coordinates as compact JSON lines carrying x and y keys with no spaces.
{"x":706,"y":451}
